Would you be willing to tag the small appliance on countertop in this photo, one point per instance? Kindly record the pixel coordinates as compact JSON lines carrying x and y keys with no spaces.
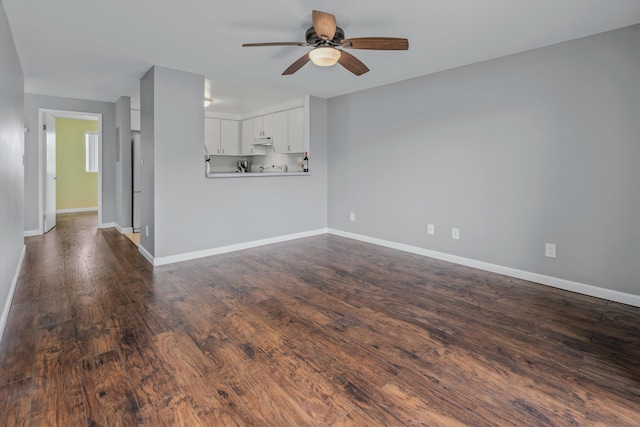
{"x":243,"y":166}
{"x":274,"y":168}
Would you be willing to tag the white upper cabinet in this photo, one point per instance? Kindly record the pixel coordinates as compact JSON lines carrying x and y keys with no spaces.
{"x":276,"y":127}
{"x":222,"y":137}
{"x":281,"y":132}
{"x":247,"y":137}
{"x":229,"y":138}
{"x":212,"y":135}
{"x":258,"y":128}
{"x":248,"y":147}
{"x":270,"y":125}
{"x":295,"y":134}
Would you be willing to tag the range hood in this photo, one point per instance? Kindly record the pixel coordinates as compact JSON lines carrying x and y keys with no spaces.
{"x":265,"y":140}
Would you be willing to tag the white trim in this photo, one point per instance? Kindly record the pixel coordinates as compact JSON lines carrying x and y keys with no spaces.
{"x":223,"y":116}
{"x":41,"y":170}
{"x":12,"y":289}
{"x":145,"y":253}
{"x":274,"y":109}
{"x":232,"y":248}
{"x":74,"y":210}
{"x":555,"y":282}
{"x":100,"y":168}
{"x":107,"y":225}
{"x":29,"y":233}
{"x":124,"y":230}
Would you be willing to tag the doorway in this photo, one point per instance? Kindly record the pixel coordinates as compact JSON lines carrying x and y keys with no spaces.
{"x":48,"y":170}
{"x":136,"y":157}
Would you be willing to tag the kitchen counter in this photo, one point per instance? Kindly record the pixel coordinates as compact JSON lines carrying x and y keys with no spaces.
{"x":254,"y":174}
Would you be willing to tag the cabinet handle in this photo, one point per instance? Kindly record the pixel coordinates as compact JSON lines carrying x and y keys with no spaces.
{"x":274,"y":149}
{"x":288,"y":148}
{"x":223,"y":151}
{"x":252,"y":150}
{"x":218,"y":151}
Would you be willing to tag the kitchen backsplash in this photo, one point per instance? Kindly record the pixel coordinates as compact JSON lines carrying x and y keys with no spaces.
{"x":274,"y":159}
{"x":270,"y":163}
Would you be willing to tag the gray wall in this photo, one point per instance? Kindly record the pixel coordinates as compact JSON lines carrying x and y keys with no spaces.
{"x":11,"y":170}
{"x":194,"y":213}
{"x":531,"y":148}
{"x":178,"y":133}
{"x":123,"y":184}
{"x":32,"y":155}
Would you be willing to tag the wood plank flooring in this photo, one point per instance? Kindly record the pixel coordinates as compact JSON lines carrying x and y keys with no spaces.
{"x":322,"y":331}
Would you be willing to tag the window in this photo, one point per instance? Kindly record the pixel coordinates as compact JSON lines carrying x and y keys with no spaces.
{"x":91,"y":151}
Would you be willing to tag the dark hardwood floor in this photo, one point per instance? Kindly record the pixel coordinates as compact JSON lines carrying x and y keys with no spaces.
{"x":317,"y":331}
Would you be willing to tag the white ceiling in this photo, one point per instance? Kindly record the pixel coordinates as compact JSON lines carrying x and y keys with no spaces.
{"x":100,"y":49}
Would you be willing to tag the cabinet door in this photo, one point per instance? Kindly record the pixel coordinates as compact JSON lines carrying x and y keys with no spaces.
{"x":212,"y":135}
{"x":258,"y":128}
{"x":229,"y":138}
{"x":275,"y":125}
{"x":295,"y":135}
{"x":248,"y":149}
{"x":247,"y":137}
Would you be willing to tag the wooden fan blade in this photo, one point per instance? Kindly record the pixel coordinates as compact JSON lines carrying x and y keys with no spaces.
{"x":376,"y":43}
{"x":297,"y":65}
{"x":352,"y":63}
{"x":275,"y":44}
{"x":324,"y":24}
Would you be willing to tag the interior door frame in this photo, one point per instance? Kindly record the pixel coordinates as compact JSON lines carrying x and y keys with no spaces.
{"x":135,"y":167}
{"x":50,"y":182}
{"x":79,"y":115}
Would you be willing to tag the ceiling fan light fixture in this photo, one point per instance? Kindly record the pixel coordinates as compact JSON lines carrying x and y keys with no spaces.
{"x":207,"y":102}
{"x":324,"y":56}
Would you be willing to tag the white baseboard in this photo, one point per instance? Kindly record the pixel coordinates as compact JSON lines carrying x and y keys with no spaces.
{"x":145,"y":253}
{"x":555,"y":282}
{"x":107,"y":225}
{"x":74,"y":210}
{"x":124,"y":230}
{"x":29,"y":233}
{"x":232,"y":248}
{"x":12,"y":289}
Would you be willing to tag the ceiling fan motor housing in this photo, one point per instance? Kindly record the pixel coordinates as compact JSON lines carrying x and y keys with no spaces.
{"x":313,"y":39}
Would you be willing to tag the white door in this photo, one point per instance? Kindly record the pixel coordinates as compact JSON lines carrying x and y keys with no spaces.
{"x":137,"y":156}
{"x":50,"y":175}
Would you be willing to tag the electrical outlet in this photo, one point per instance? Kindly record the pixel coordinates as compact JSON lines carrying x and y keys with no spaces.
{"x":146,"y":230}
{"x":550,"y":250}
{"x":455,"y":233}
{"x":352,"y":216}
{"x":431,"y":229}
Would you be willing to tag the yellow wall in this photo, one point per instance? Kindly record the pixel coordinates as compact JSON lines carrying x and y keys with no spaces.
{"x":75,"y":188}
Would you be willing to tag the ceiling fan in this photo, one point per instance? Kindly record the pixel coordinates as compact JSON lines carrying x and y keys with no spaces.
{"x":326,"y":38}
